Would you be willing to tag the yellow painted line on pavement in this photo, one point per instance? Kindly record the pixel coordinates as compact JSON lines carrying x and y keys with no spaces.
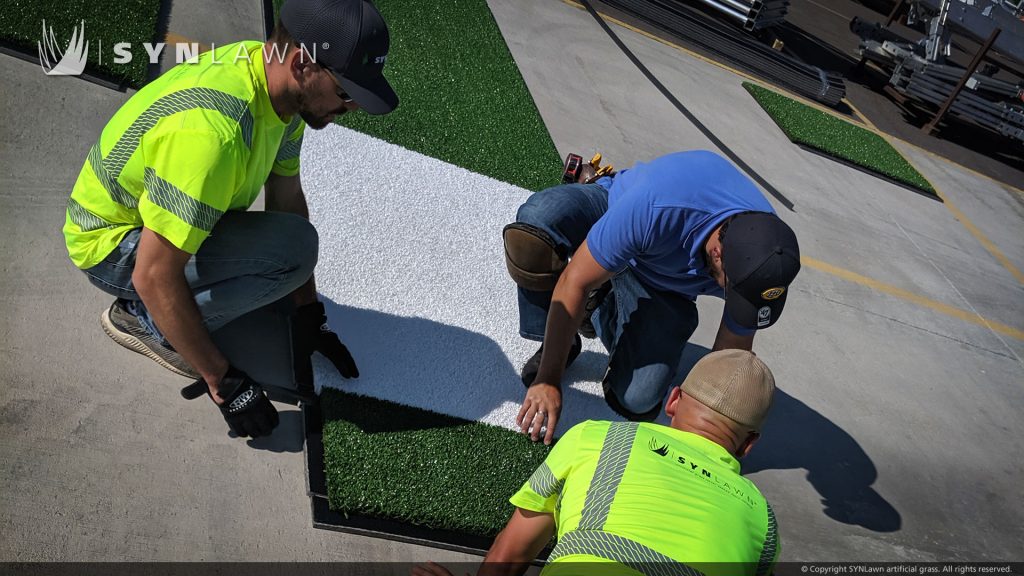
{"x":974,"y":230}
{"x":909,"y":296}
{"x":172,"y":38}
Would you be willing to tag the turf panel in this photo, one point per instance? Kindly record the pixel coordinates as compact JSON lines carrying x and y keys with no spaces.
{"x":427,"y":469}
{"x":462,"y":99}
{"x":814,"y":129}
{"x":412,"y":275}
{"x":106,"y":23}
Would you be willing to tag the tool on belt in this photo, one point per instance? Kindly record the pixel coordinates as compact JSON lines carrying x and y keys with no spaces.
{"x":576,"y":171}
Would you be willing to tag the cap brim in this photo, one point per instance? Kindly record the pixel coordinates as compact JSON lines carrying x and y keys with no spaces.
{"x":749,"y":314}
{"x":374,"y":96}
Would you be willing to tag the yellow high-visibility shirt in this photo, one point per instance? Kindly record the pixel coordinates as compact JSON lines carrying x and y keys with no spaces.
{"x":196,"y":142}
{"x":639,"y":498}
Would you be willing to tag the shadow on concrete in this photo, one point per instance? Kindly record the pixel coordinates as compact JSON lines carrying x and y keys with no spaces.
{"x":797,"y":436}
{"x":420,"y":362}
{"x":287,"y":437}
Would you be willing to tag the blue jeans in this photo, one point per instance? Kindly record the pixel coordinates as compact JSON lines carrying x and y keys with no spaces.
{"x":644,"y":330}
{"x":249,"y":260}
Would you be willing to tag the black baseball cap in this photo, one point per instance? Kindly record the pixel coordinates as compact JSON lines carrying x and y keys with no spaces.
{"x":351,"y":40}
{"x":761,"y":257}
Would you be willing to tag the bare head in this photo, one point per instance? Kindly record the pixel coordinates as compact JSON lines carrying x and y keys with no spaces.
{"x":725,"y":398}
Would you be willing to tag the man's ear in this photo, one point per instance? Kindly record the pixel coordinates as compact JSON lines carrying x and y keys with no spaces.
{"x":673,"y":399}
{"x":300,"y":66}
{"x":748,"y":443}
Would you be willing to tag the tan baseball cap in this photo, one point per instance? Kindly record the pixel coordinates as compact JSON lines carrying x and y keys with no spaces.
{"x":734,"y":383}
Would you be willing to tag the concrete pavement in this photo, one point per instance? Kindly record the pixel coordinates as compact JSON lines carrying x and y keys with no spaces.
{"x":102,"y":459}
{"x":894,"y":436}
{"x":892,"y":439}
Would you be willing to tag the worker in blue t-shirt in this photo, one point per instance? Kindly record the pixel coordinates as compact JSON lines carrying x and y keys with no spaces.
{"x":624,"y":258}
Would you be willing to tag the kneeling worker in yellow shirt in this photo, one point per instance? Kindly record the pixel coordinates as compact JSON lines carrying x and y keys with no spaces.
{"x":639,"y":498}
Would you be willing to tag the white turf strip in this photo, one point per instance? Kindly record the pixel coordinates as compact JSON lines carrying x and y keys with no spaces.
{"x":412,"y":272}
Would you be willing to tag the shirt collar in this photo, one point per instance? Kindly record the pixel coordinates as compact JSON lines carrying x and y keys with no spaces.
{"x":713,"y":450}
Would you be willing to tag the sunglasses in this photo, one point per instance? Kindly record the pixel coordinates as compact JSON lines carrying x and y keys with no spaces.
{"x":340,"y":91}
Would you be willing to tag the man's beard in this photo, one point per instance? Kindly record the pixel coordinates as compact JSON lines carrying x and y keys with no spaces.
{"x":312,"y":120}
{"x":317,"y":122}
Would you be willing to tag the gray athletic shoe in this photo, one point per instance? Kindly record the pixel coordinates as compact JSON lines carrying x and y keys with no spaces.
{"x":124,"y":328}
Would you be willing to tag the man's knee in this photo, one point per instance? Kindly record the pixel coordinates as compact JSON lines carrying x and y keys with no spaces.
{"x":631,"y":410}
{"x":542,"y":208}
{"x":635,"y":396}
{"x":305,"y":247}
{"x":296,"y":246}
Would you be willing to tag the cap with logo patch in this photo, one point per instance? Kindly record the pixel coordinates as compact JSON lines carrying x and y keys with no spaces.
{"x":351,"y":40}
{"x":761,"y":257}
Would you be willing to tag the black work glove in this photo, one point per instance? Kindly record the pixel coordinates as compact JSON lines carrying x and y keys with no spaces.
{"x":310,"y":333}
{"x":246,"y":408}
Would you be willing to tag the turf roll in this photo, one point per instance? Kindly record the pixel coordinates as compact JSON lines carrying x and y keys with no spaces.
{"x":386,"y":460}
{"x":831,"y":136}
{"x":106,"y":24}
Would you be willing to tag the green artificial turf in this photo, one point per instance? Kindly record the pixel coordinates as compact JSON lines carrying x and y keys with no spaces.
{"x":832,"y":136}
{"x":390,"y":461}
{"x":462,"y":99}
{"x":107,"y":22}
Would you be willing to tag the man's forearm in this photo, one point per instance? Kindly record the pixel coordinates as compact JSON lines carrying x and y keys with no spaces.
{"x":727,"y":340}
{"x":564,"y":318}
{"x":170,"y":302}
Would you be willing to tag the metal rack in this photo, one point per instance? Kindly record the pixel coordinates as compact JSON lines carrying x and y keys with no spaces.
{"x":920,"y":73}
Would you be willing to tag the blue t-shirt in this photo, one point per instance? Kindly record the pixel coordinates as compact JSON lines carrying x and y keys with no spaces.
{"x":660,"y":214}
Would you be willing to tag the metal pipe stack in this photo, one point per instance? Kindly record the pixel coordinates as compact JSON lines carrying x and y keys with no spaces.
{"x":752,"y":14}
{"x":740,"y":49}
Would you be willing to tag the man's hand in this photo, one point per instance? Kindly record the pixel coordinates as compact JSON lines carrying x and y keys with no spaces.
{"x":543,"y":403}
{"x":310,"y":333}
{"x":242,"y":402}
{"x":541,"y":407}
